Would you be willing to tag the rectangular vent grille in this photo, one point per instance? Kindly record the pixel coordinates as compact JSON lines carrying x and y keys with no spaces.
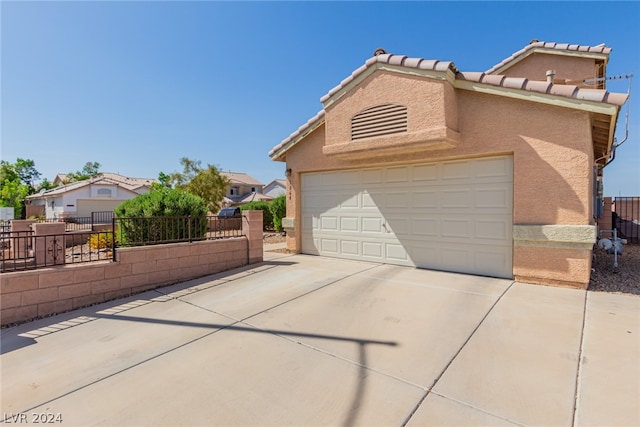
{"x":379,"y":120}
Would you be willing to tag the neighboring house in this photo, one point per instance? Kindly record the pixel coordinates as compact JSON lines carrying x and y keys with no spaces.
{"x":275,"y":188}
{"x":78,"y":199}
{"x":242,"y":189}
{"x":413,"y":162}
{"x":60,"y":179}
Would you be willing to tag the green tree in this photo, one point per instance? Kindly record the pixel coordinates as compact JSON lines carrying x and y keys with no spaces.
{"x":278,"y":209}
{"x":207,"y":183}
{"x":26,"y":170}
{"x":12,"y":195}
{"x":17,"y":181}
{"x":143,"y":218}
{"x":267,"y":218}
{"x":90,"y":170}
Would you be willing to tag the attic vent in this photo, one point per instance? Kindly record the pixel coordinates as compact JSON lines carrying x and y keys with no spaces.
{"x":380,"y":120}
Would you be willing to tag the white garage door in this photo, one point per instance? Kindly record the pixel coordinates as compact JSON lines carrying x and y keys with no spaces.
{"x":86,"y":206}
{"x":453,"y":216}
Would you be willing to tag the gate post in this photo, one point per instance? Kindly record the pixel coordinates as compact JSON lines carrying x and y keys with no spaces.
{"x":49,"y":243}
{"x":252,"y":229}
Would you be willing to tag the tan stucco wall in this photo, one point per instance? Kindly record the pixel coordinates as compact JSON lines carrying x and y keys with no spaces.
{"x":535,"y":67}
{"x":384,"y":87}
{"x":550,"y":145}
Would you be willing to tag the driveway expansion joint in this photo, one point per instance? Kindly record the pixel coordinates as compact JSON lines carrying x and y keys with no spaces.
{"x":435,"y":382}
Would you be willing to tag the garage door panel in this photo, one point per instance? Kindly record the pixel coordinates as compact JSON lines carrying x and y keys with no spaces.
{"x":329,"y":245}
{"x":350,"y":247}
{"x":494,"y":167}
{"x":425,"y":227}
{"x":329,"y":223}
{"x":425,"y":173}
{"x":349,"y":223}
{"x":454,"y":216}
{"x":425,"y":199}
{"x":398,"y":200}
{"x":492,"y":198}
{"x":457,"y":228}
{"x":396,"y":252}
{"x":459,"y":198}
{"x":372,"y":225}
{"x":398,"y":225}
{"x":397,"y":174}
{"x":492,"y":229}
{"x":455,"y":171}
{"x":372,"y":249}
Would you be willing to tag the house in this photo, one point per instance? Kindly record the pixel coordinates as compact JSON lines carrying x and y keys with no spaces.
{"x":414,"y":162}
{"x":275,"y":188}
{"x":78,"y":199}
{"x":242,"y":189}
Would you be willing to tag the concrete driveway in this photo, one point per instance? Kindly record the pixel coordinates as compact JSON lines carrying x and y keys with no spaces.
{"x":303,"y":340}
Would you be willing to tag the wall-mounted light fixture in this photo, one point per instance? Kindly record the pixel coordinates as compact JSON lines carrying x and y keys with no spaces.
{"x":288,"y":172}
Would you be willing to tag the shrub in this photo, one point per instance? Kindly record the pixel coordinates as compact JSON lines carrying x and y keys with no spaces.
{"x":147,"y":214}
{"x":267,"y":219}
{"x":101,"y":240}
{"x":278,"y":209}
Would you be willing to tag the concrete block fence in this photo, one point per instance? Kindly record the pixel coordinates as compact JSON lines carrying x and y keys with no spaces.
{"x":30,"y":294}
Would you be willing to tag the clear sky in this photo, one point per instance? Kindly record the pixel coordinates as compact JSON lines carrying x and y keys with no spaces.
{"x":136,"y":86}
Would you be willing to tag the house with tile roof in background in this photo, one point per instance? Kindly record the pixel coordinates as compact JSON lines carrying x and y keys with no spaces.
{"x":275,"y":188}
{"x":79,"y":199}
{"x":243,"y":189}
{"x":414,"y":162}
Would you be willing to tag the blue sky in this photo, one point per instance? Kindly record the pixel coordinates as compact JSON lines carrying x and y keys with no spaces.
{"x":136,"y":86}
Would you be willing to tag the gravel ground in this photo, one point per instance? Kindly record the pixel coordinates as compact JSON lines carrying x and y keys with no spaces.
{"x":624,"y":279}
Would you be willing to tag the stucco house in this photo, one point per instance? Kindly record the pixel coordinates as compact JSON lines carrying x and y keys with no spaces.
{"x":275,"y":188}
{"x":242,"y":189}
{"x":414,"y":162}
{"x":78,"y":199}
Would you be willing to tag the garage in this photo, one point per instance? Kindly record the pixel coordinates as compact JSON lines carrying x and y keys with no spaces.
{"x":452,"y":216}
{"x":86,"y":206}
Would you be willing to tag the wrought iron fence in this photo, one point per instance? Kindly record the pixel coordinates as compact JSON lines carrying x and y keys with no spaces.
{"x":157,"y":230}
{"x":24,"y":250}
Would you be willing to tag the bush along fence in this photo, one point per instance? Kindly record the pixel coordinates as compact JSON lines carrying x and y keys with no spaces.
{"x":28,"y":244}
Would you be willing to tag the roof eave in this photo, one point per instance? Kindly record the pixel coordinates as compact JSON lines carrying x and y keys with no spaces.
{"x":543,"y":98}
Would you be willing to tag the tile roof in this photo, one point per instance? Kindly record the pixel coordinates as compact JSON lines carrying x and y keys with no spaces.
{"x":514,"y":83}
{"x":240,"y":178}
{"x":567,"y":91}
{"x":400,"y":60}
{"x":538,"y":46}
{"x":131,"y":184}
{"x":309,"y":125}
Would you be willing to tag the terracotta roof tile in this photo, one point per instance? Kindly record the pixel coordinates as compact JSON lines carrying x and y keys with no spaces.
{"x":591,"y":95}
{"x":308,"y":125}
{"x":601,"y":48}
{"x":616,"y":98}
{"x":413,"y":62}
{"x":564,"y":90}
{"x":494,"y":79}
{"x":515,"y":82}
{"x":396,"y":59}
{"x":538,"y":86}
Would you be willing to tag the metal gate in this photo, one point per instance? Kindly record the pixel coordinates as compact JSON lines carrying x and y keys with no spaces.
{"x":626,"y":218}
